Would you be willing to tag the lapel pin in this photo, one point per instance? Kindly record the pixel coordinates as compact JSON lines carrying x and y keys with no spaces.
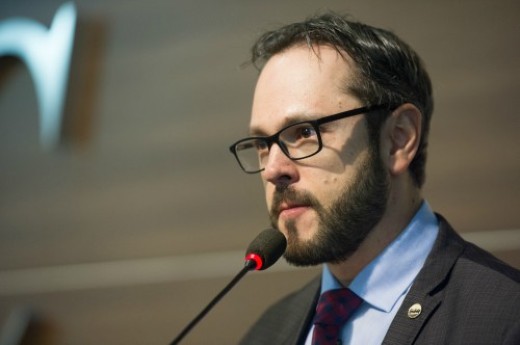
{"x":414,"y":311}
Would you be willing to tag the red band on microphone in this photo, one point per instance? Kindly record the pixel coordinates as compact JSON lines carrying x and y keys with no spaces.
{"x":257,"y":259}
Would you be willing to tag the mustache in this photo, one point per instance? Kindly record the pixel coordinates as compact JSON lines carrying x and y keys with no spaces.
{"x":291,"y":196}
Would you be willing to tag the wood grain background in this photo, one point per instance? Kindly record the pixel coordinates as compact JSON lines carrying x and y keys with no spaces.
{"x":145,"y":180}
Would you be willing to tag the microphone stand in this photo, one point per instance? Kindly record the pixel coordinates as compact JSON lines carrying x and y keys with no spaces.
{"x":249,"y":265}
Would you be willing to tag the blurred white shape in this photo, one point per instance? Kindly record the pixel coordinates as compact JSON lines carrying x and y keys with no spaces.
{"x":47,"y":55}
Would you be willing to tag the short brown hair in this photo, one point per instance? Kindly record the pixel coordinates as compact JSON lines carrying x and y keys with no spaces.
{"x":388,"y":71}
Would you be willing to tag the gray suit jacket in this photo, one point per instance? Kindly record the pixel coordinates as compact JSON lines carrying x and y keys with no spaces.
{"x":467,"y":296}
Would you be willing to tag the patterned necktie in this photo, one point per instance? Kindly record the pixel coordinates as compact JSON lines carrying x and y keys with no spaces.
{"x":333,"y":310}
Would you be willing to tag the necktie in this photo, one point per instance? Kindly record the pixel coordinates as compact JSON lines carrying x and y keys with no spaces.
{"x":333,"y":310}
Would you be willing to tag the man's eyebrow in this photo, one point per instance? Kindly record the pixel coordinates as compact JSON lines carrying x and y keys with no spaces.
{"x":256,"y":132}
{"x":291,"y":120}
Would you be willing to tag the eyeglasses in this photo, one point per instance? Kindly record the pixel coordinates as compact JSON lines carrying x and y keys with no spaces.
{"x":297,"y":141}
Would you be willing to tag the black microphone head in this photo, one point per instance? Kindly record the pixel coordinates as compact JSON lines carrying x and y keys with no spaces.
{"x":265,"y":249}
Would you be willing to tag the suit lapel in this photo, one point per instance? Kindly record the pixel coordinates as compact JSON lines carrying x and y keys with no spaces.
{"x":304,"y":306}
{"x":427,"y":290}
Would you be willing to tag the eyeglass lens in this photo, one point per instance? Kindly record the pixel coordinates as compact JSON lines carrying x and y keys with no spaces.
{"x":297,"y":141}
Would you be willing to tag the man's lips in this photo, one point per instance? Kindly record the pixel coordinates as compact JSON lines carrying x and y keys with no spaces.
{"x":289,"y":203}
{"x":292,"y":210}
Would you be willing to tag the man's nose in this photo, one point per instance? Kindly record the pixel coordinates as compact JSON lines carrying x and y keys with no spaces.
{"x":279,"y":169}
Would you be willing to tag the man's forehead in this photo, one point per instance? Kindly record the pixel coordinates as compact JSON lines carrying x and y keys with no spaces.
{"x":298,"y":84}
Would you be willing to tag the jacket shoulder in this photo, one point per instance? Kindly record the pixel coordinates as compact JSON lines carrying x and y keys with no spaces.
{"x":467,"y":294}
{"x":286,"y":320}
{"x":475,"y":260}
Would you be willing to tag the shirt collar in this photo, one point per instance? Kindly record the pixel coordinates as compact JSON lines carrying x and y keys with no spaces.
{"x":392,"y":272}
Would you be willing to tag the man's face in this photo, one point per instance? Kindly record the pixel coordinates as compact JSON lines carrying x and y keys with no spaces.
{"x":325,"y":204}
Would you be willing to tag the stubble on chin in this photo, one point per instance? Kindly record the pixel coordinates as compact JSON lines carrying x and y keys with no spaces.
{"x":342,"y":228}
{"x":298,"y":249}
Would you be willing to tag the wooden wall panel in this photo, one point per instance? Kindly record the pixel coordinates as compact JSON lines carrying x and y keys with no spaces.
{"x":158,"y":92}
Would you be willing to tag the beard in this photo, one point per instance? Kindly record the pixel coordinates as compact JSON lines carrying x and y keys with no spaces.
{"x":345,"y":225}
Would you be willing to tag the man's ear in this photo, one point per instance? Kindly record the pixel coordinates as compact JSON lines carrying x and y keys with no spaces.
{"x":401,"y":135}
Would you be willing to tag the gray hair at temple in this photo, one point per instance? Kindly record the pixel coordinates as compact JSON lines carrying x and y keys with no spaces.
{"x":388,"y":71}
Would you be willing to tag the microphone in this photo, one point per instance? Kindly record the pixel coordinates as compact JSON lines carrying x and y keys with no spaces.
{"x":265,"y":249}
{"x":261,"y":254}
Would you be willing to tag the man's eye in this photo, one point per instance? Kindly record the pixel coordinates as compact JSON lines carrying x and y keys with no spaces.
{"x":298,"y":134}
{"x":306,"y":132}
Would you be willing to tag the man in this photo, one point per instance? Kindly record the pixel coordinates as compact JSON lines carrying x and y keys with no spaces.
{"x":339,"y":131}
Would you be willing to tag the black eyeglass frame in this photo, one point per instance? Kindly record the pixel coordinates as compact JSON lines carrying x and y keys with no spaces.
{"x":274,"y":139}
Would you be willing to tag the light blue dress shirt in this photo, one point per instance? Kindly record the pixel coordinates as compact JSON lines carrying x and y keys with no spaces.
{"x":384,"y":283}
